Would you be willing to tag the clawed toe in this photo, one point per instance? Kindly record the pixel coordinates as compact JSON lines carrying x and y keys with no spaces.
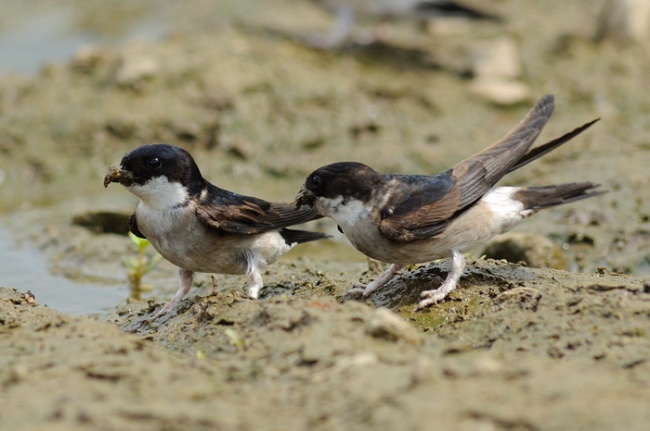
{"x":430,"y":300}
{"x":431,"y":297}
{"x":356,"y":291}
{"x":163,"y":315}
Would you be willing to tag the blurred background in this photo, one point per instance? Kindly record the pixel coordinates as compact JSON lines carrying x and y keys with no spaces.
{"x":245,"y":88}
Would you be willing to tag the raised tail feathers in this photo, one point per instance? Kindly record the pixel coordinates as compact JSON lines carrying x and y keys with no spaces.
{"x":539,"y":151}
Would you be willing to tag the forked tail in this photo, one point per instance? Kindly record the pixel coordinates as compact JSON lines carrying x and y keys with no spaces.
{"x":537,"y":198}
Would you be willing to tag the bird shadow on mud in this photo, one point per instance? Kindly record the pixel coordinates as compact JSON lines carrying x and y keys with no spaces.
{"x":482,"y":282}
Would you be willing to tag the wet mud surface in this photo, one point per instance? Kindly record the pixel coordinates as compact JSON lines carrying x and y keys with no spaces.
{"x":514,"y":347}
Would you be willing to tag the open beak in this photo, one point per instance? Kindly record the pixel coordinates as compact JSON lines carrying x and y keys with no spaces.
{"x":117,"y":175}
{"x":305,"y":197}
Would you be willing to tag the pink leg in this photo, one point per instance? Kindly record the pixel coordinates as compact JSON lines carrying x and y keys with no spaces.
{"x":384,"y":278}
{"x":185,"y":284}
{"x":255,"y":280}
{"x":435,"y":295}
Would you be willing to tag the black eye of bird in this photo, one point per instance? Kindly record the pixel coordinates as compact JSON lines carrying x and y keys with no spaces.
{"x":316,"y":181}
{"x":154,"y":163}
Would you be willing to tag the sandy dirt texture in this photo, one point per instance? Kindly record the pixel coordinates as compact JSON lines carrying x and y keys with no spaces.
{"x":515,"y":347}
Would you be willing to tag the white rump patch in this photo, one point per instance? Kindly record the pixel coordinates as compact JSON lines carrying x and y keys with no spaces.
{"x":508,"y":211}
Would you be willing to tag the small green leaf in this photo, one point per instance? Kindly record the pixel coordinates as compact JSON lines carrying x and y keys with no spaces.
{"x":141,"y":243}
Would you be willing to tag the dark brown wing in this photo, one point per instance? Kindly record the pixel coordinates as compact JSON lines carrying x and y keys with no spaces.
{"x":230,"y":212}
{"x":133,"y":227}
{"x":402,"y":218}
{"x":416,"y":218}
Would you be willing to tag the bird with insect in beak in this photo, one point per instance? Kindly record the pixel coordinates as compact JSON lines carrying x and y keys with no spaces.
{"x":200,"y":227}
{"x":406,"y":219}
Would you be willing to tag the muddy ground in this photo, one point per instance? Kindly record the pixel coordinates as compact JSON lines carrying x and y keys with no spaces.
{"x":515,"y":347}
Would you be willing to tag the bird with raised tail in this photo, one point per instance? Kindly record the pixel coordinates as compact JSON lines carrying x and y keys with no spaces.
{"x":346,"y":12}
{"x":406,"y":219}
{"x":200,"y":227}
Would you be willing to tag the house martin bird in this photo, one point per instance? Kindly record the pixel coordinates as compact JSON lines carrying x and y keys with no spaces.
{"x":346,"y":11}
{"x":406,"y":219}
{"x":200,"y":227}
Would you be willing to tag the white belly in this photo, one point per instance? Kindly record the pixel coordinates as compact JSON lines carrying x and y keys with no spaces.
{"x":179,"y":237}
{"x":494,"y":214}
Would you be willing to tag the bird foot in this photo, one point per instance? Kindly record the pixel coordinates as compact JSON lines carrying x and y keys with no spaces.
{"x":434,"y":296}
{"x":165,"y":310}
{"x":358,"y":290}
{"x":431,"y":297}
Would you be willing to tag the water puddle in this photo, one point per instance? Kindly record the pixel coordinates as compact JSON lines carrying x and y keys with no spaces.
{"x":24,"y":267}
{"x":36,"y":34}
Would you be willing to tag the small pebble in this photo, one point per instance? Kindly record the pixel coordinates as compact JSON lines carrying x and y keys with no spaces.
{"x":624,"y":21}
{"x":385,"y":324}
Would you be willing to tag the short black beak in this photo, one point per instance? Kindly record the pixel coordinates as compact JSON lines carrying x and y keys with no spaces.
{"x":305,"y":197}
{"x":117,"y":175}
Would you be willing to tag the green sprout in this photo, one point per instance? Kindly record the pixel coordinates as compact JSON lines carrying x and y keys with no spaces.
{"x":235,"y":339}
{"x":140,"y":265}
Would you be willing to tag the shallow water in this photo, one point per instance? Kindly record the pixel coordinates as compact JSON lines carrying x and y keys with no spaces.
{"x":37,"y":32}
{"x":40,"y":33}
{"x":24,"y":267}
